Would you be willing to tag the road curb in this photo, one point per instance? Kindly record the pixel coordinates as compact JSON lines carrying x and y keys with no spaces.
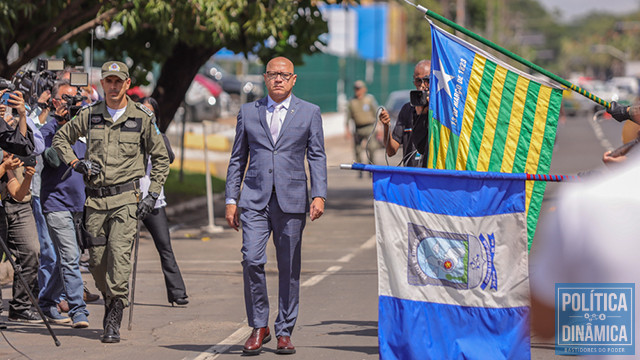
{"x":196,"y":203}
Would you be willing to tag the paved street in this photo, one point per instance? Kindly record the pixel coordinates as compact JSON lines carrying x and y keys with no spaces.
{"x":338,"y":312}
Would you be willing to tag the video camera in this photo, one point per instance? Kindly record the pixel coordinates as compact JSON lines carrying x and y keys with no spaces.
{"x":6,"y":84}
{"x":77,"y":80}
{"x":419,"y":98}
{"x":32,"y":83}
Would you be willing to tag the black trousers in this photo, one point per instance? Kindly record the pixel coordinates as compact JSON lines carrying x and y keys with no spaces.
{"x":157,"y":224}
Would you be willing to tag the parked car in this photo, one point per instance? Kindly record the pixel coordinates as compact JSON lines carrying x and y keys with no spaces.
{"x":230,"y":83}
{"x":608,"y":92}
{"x":203,"y":99}
{"x":575,"y":104}
{"x":627,"y":84}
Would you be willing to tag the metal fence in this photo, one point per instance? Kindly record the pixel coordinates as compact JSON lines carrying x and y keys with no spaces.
{"x":324,"y":77}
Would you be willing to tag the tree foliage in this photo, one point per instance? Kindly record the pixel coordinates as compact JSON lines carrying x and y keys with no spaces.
{"x":181,"y":35}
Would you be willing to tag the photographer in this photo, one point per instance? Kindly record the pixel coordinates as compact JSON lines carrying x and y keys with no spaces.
{"x":18,"y":141}
{"x":411,"y":129}
{"x":18,"y":229}
{"x":62,"y":206}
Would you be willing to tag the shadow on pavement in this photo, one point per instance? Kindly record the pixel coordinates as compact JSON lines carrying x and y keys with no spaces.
{"x":364,"y":328}
{"x":60,"y":331}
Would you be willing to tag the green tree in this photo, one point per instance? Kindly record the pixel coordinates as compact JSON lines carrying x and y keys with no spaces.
{"x":180,"y":35}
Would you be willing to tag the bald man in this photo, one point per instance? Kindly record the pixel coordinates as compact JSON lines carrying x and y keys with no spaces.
{"x":411,"y":129}
{"x":274,"y":135}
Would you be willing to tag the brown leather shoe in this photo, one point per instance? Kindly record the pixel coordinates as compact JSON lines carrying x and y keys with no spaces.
{"x":285,"y":346}
{"x":63,"y":306}
{"x":259,"y":337}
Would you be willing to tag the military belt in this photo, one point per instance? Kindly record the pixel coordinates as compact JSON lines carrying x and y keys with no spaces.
{"x":112,"y":190}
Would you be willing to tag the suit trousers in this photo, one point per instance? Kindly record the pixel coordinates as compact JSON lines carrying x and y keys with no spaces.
{"x":156,"y":223}
{"x":257,"y":226}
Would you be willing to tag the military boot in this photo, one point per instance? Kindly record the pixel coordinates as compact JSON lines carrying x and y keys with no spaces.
{"x":114,"y":318}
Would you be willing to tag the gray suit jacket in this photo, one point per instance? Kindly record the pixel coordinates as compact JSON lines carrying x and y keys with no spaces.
{"x":278,"y":165}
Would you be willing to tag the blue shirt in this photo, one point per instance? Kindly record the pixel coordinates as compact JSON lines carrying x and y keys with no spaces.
{"x":55,"y":194}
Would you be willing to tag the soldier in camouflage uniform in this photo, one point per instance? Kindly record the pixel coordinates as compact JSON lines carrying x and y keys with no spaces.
{"x":122,"y":134}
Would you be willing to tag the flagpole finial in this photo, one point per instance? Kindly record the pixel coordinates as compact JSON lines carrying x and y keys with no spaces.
{"x":417,"y":6}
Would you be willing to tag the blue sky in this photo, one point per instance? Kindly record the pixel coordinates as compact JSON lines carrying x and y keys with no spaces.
{"x":572,"y":9}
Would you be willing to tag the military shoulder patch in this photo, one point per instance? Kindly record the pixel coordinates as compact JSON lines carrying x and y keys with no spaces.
{"x":144,"y":109}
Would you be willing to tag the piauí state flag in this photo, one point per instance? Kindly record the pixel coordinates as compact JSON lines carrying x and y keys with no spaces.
{"x":452,"y":264}
{"x":485,"y":115}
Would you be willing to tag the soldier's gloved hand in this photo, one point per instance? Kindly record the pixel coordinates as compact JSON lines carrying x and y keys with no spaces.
{"x":86,"y":167}
{"x":619,"y":112}
{"x":146,"y":205}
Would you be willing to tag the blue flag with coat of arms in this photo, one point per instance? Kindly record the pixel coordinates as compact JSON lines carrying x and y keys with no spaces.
{"x":452,"y":264}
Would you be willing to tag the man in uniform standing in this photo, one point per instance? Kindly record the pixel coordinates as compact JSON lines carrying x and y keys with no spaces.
{"x":362,"y":112}
{"x":120,"y":135}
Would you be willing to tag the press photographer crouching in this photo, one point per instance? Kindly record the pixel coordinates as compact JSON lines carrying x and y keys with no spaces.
{"x":411,"y":129}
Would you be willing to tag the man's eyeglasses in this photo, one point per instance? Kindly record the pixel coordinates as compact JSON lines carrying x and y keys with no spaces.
{"x":272,"y":75}
{"x":419,"y":81}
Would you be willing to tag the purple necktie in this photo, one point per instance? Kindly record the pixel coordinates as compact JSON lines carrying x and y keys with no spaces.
{"x":275,"y":122}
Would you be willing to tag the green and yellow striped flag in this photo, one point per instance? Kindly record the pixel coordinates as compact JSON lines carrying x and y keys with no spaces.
{"x":488,"y":116}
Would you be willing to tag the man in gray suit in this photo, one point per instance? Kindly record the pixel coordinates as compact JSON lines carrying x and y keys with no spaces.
{"x":274,"y":134}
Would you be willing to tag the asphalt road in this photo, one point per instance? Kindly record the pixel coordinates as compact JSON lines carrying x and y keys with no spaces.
{"x":338,"y":311}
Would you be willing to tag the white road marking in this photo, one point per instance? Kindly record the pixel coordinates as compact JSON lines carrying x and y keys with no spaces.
{"x":369,"y":244}
{"x":597,"y":130}
{"x":215,"y":351}
{"x":317,"y":278}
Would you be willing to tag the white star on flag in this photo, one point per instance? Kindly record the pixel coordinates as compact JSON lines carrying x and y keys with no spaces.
{"x":443,"y":79}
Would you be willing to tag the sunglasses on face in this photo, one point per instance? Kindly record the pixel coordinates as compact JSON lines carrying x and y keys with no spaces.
{"x":419,"y":81}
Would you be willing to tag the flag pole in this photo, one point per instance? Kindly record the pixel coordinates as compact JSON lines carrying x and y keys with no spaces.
{"x":515,"y":57}
{"x":466,"y":173}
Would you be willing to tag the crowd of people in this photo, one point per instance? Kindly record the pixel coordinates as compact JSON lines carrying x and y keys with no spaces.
{"x":70,"y":191}
{"x":81,"y":183}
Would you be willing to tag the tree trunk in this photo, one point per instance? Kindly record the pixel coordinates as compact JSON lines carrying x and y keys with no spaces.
{"x":176,"y":76}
